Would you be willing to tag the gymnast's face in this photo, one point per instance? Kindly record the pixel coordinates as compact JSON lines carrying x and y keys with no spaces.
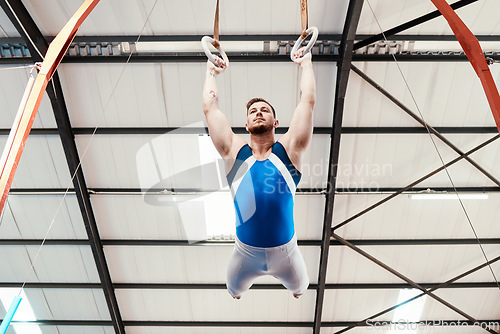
{"x":260,"y":118}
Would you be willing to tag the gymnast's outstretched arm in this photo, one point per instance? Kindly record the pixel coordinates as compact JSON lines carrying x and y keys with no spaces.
{"x":223,"y":137}
{"x":300,"y":131}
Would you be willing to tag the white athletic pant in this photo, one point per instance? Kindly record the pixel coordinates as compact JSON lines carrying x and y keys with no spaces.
{"x":284,"y":262}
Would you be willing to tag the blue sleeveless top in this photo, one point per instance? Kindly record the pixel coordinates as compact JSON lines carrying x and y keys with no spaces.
{"x":263,"y":194}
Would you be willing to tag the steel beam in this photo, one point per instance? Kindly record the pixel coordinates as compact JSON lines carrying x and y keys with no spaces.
{"x":38,"y":47}
{"x":83,"y":197}
{"x":415,"y":57}
{"x":399,"y":286}
{"x":222,"y":286}
{"x":136,"y":191}
{"x":343,"y":71}
{"x":300,"y":191}
{"x":276,"y":37}
{"x":429,"y":56}
{"x":444,"y":323}
{"x":246,"y":324}
{"x":359,"y":286}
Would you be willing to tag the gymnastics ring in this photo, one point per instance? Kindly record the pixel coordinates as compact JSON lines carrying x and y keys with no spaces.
{"x":204,"y":43}
{"x":299,"y":41}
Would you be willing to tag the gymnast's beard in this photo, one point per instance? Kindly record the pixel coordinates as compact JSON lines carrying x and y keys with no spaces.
{"x":260,"y":129}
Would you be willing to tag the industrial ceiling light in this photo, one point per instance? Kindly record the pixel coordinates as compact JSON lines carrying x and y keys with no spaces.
{"x":437,"y":195}
{"x":180,"y":47}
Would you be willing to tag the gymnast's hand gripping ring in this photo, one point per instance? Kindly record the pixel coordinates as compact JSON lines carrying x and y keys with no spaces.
{"x":299,"y":41}
{"x":204,"y":43}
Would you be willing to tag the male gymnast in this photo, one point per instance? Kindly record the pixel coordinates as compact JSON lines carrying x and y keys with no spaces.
{"x":263,"y":177}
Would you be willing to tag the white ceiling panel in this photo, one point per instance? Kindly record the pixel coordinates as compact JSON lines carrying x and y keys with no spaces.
{"x":423,"y":264}
{"x":405,"y":218}
{"x":355,"y":305}
{"x":344,"y":265}
{"x":206,"y":264}
{"x":7,"y":29}
{"x":365,"y":106}
{"x":378,"y":161}
{"x":100,"y":95}
{"x":152,"y":95}
{"x":352,"y":305}
{"x":308,"y":214}
{"x":392,"y":13}
{"x":121,"y":168}
{"x":11,"y":92}
{"x":54,"y":264}
{"x":45,"y":210}
{"x":192,"y":17}
{"x":446,"y":93}
{"x":215,"y":305}
{"x":133,"y":217}
{"x":478,"y":16}
{"x":142,"y":161}
{"x":77,"y":329}
{"x":215,"y":330}
{"x":130,"y":217}
{"x":160,"y":161}
{"x":62,"y":304}
{"x":478,"y":303}
{"x":42,"y":164}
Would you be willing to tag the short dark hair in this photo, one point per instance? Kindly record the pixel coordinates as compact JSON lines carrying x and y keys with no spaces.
{"x":259,"y":99}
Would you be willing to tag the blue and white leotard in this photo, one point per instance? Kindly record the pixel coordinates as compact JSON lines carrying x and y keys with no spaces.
{"x":263,"y":194}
